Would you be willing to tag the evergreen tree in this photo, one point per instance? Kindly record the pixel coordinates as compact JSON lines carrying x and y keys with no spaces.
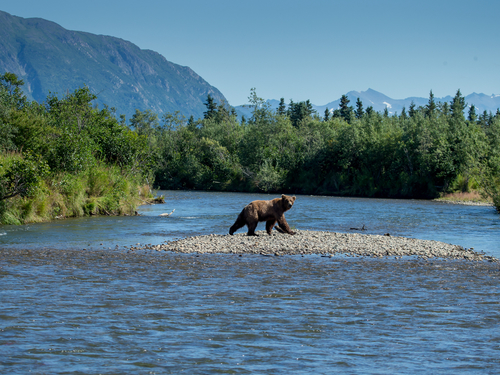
{"x":309,"y":108}
{"x":345,"y":109}
{"x":472,"y":114}
{"x":485,"y":119}
{"x":211,"y":108}
{"x":327,"y":115}
{"x":291,"y":105}
{"x":191,"y":125}
{"x":412,"y":110}
{"x":386,"y":112}
{"x":299,"y":111}
{"x":282,"y":107}
{"x":369,"y":110}
{"x":403,"y":114}
{"x":457,"y":105}
{"x":445,"y":109}
{"x":430,"y":108}
{"x":359,"y":109}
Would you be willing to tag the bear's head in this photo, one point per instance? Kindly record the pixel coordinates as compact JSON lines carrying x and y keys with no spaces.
{"x":287,"y":201}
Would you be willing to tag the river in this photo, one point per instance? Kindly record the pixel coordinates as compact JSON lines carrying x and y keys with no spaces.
{"x":107,"y":310}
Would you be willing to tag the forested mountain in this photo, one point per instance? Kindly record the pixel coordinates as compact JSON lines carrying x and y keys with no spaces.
{"x":379,"y":102}
{"x":50,"y":58}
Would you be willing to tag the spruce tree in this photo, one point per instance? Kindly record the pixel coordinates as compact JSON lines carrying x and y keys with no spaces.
{"x":457,"y":105}
{"x":345,"y":109}
{"x":282,"y":107}
{"x":211,"y":107}
{"x":403,"y":114}
{"x":327,"y":115}
{"x":430,"y":108}
{"x":412,"y":110}
{"x":359,"y":109}
{"x":472,"y":114}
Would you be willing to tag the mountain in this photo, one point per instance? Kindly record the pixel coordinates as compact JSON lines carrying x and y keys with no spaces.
{"x":379,"y":102}
{"x":50,"y":58}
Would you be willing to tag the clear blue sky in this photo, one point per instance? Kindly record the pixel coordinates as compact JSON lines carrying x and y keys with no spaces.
{"x":314,"y":49}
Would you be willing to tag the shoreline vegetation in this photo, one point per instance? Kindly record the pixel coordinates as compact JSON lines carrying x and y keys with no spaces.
{"x":472,"y":198}
{"x":330,"y":244}
{"x":65,"y":157}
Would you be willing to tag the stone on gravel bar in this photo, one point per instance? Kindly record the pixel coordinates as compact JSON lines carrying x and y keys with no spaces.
{"x":316,"y":242}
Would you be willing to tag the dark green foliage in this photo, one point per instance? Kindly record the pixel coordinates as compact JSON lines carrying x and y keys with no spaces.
{"x":416,"y":156}
{"x":282,"y":107}
{"x":412,"y":111}
{"x":326,"y":117}
{"x":298,"y":112}
{"x":430,"y":108}
{"x":346,"y":112}
{"x":22,"y":176}
{"x":433,"y":150}
{"x":403,"y":114}
{"x":211,"y":107}
{"x":359,"y":108}
{"x":66,"y":136}
{"x":458,"y":105}
{"x":472,"y":114}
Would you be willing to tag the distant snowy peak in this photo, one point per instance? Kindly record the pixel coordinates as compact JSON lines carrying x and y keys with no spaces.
{"x":380,"y":102}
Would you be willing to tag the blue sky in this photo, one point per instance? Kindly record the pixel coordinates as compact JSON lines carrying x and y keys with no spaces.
{"x":300,"y":50}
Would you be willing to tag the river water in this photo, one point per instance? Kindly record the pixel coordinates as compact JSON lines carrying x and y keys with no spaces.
{"x":106,"y":310}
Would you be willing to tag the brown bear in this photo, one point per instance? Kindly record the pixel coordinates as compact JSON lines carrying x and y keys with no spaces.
{"x":269,"y":211}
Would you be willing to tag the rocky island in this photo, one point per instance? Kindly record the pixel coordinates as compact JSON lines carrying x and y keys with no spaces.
{"x":306,"y":242}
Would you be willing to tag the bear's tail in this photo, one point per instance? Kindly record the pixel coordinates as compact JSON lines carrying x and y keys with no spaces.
{"x":239,"y":223}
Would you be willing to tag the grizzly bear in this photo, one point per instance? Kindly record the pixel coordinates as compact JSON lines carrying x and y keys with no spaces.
{"x":269,"y":211}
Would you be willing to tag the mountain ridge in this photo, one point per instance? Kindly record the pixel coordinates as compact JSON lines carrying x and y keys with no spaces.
{"x":380,"y":101}
{"x":50,"y":58}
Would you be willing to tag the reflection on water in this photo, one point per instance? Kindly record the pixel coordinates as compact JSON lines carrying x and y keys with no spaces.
{"x":212,"y":212}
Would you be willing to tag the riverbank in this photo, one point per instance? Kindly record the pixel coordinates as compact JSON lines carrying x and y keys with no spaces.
{"x":472,"y":198}
{"x":316,"y":242}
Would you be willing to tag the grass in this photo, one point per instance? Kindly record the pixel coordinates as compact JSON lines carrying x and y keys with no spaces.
{"x":472,"y":197}
{"x":103,"y":190}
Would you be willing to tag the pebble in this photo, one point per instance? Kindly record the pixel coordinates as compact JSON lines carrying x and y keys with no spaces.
{"x":315,"y":242}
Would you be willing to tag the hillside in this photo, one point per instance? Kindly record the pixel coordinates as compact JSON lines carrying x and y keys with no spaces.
{"x":50,"y":58}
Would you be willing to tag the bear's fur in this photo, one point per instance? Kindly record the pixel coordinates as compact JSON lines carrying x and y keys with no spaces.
{"x":269,"y":211}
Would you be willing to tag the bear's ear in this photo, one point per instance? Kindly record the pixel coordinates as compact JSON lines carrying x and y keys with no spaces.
{"x":293,"y":198}
{"x":283,"y":196}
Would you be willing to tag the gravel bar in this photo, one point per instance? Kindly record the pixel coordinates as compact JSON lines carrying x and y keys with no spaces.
{"x":316,"y":242}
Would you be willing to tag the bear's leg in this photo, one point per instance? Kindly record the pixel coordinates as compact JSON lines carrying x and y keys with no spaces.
{"x":270,"y":225}
{"x":251,"y":228}
{"x":284,"y":225}
{"x":239,"y":223}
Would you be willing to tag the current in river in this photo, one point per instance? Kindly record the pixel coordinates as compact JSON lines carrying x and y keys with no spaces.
{"x":107,"y":310}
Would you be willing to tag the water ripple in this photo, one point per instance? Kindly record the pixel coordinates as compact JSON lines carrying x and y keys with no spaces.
{"x":113,"y":312}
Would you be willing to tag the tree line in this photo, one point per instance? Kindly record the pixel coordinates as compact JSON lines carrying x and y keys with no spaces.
{"x":419,"y":153}
{"x":66,"y":157}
